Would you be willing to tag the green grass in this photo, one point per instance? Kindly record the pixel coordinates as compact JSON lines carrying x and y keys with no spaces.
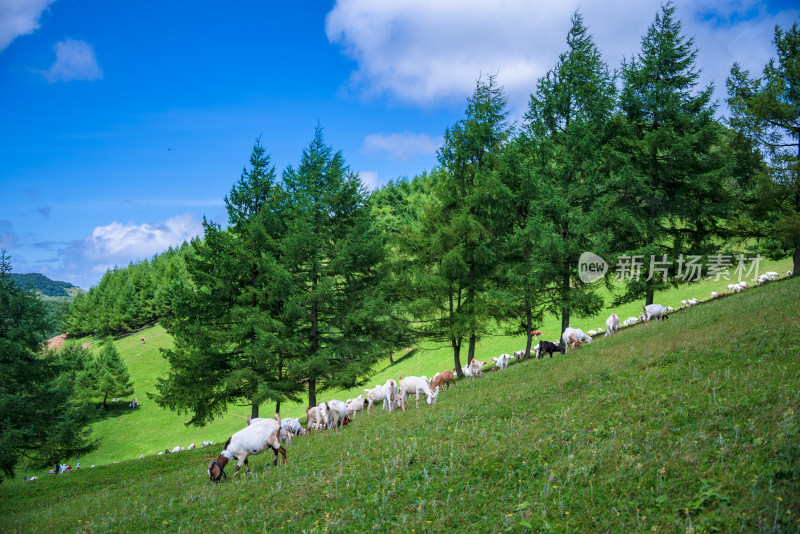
{"x":686,"y":425}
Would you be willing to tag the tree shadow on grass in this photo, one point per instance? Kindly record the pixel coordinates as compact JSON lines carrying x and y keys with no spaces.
{"x":114,"y":409}
{"x":409,"y":354}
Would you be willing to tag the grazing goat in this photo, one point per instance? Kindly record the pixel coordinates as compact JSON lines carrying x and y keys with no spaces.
{"x":535,"y":334}
{"x":445,"y":377}
{"x":313,"y":418}
{"x":377,"y":394}
{"x":502,"y":361}
{"x":356,"y":405}
{"x":337,"y":411}
{"x":476,"y":368}
{"x":293,"y":425}
{"x":654,"y":311}
{"x":253,"y":439}
{"x":575,"y":337}
{"x":549,"y":347}
{"x":630,"y":321}
{"x":612,"y":325}
{"x":392,"y":392}
{"x":416,"y":385}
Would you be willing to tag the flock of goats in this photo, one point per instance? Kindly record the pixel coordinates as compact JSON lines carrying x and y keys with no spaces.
{"x":263,"y":433}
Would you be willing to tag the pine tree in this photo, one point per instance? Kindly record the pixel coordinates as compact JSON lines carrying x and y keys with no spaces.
{"x":767,"y":111}
{"x":459,"y":237}
{"x":672,"y":191}
{"x":41,"y":420}
{"x":107,"y":375}
{"x":566,"y":137}
{"x":231,"y":345}
{"x":331,"y":252}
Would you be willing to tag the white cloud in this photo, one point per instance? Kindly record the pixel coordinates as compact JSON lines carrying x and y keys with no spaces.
{"x":428,"y":51}
{"x":403,"y":146}
{"x":19,"y":17}
{"x":85,"y":261}
{"x":74,"y":61}
{"x":140,"y":241}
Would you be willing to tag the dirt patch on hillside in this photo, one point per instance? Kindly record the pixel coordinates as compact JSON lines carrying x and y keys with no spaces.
{"x":55,"y":343}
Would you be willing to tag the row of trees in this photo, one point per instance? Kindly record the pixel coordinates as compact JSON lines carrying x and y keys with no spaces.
{"x":127,"y":298}
{"x":314,"y":280}
{"x":286,"y":299}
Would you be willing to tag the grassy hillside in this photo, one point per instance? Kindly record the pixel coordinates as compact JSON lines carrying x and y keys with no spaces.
{"x":129,"y":433}
{"x":687,"y":425}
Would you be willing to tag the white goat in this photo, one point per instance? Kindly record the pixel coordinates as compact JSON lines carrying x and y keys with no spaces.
{"x":292,"y":424}
{"x":574,"y":337}
{"x":654,"y":311}
{"x":377,"y":394}
{"x":476,"y":368}
{"x":502,"y":361}
{"x":337,"y":411}
{"x":253,"y":439}
{"x":392,"y":392}
{"x":313,"y":416}
{"x":356,"y":405}
{"x":416,"y":385}
{"x":612,"y":324}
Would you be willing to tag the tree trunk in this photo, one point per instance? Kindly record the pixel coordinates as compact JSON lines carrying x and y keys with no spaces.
{"x":312,"y":382}
{"x":312,"y":392}
{"x":105,"y":407}
{"x":528,"y":330}
{"x":471,"y":349}
{"x":565,"y":289}
{"x":391,"y":361}
{"x":278,"y":407}
{"x":456,"y":343}
{"x":648,"y":300}
{"x":457,"y":357}
{"x":253,"y":410}
{"x":796,"y":262}
{"x":565,"y":311}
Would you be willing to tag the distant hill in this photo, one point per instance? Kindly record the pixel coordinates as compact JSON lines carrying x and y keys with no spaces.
{"x":46,"y":286}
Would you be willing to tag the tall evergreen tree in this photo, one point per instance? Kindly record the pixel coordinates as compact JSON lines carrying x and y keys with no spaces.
{"x":460,"y":243}
{"x":331,"y":250}
{"x":767,"y":111}
{"x":41,"y":420}
{"x":672,"y":193}
{"x":230,"y":345}
{"x":566,"y":130}
{"x":107,"y":375}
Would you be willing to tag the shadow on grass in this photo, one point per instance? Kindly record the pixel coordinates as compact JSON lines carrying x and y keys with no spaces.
{"x":114,"y":409}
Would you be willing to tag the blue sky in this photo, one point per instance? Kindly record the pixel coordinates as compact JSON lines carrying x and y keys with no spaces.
{"x":122,"y":125}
